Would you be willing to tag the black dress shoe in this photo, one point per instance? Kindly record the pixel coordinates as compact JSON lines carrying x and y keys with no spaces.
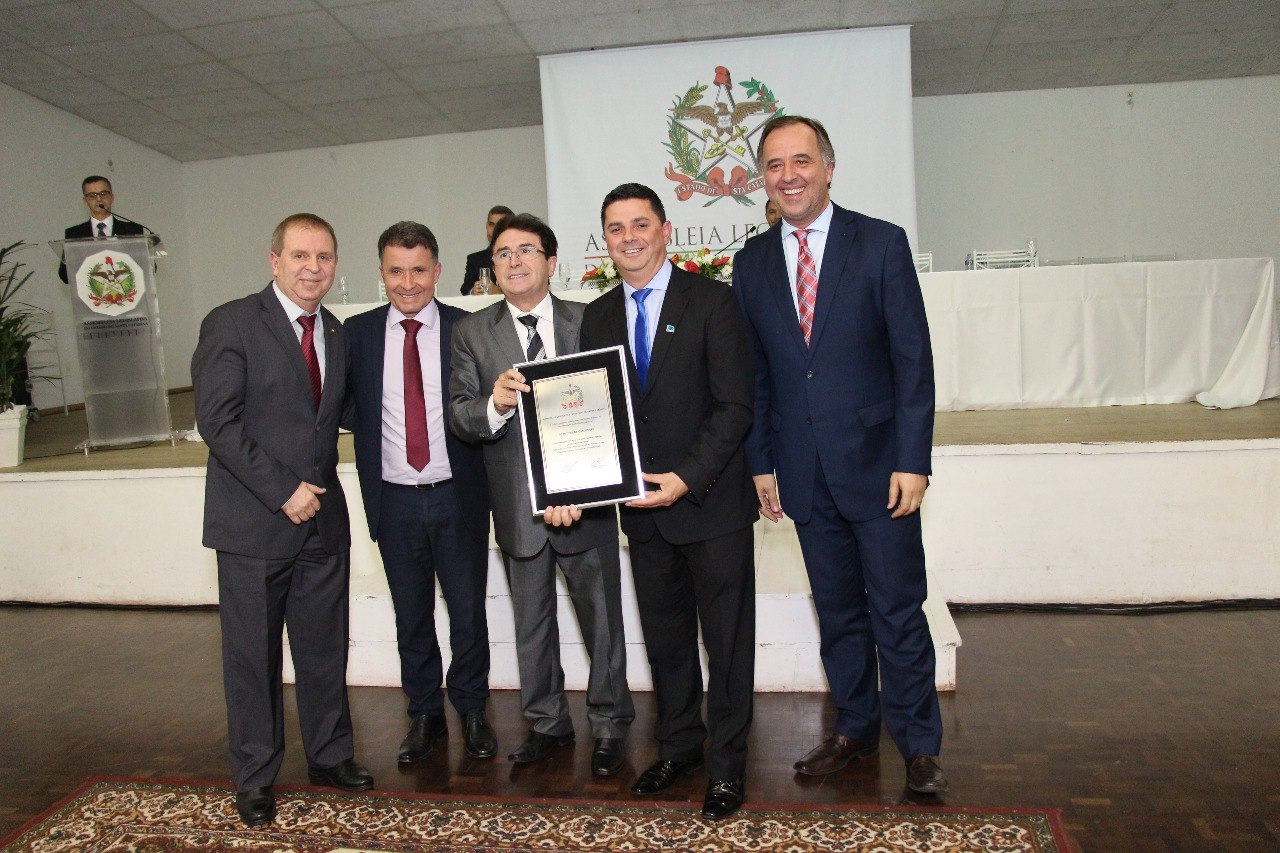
{"x":661,"y":775}
{"x":481,"y":742}
{"x":924,"y":776}
{"x":608,"y":756}
{"x":538,"y":746}
{"x":346,"y":775}
{"x":424,"y":731}
{"x":257,"y":806}
{"x":724,"y":797}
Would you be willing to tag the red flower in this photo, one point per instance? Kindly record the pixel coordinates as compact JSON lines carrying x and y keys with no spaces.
{"x":589,"y":273}
{"x":109,"y":262}
{"x":691,"y":266}
{"x":720,"y":261}
{"x":722,"y":76}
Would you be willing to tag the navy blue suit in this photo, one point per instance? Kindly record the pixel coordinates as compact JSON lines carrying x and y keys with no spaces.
{"x":425,"y":533}
{"x":834,"y":420}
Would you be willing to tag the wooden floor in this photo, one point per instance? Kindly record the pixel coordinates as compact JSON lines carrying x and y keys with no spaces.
{"x":52,"y":440}
{"x":1152,"y":733}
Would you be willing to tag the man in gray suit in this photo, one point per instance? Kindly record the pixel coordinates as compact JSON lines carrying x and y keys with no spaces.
{"x":527,"y":325}
{"x":270,"y":374}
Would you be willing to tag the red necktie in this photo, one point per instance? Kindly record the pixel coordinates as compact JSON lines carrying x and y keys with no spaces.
{"x":417,"y":445}
{"x":806,"y":284}
{"x":308,"y":322}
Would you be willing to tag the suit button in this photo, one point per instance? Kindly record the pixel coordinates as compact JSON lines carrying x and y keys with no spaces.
{"x":649,"y":460}
{"x":644,"y":419}
{"x":809,"y":421}
{"x":809,"y":375}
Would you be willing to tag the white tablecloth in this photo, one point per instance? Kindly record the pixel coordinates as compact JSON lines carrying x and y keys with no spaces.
{"x":1102,"y":335}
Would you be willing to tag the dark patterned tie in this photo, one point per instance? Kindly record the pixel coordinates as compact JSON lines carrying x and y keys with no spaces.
{"x":417,"y":445}
{"x":102,"y":230}
{"x":533,"y":341}
{"x":806,"y":284}
{"x":641,"y":342}
{"x":308,"y":323}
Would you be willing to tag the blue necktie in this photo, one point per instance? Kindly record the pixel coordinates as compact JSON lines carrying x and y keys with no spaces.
{"x":641,"y":343}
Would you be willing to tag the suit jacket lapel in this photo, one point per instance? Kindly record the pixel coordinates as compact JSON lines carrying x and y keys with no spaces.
{"x":673,"y":306}
{"x":277,"y":321}
{"x":835,"y":256}
{"x":504,"y":334}
{"x":567,"y":328}
{"x":779,"y":283}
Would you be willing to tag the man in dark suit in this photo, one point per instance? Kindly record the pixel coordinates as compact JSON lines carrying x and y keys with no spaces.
{"x":844,"y":416}
{"x":98,"y":197}
{"x":270,"y":375}
{"x":690,"y":537}
{"x":482,"y":259}
{"x":527,"y":325}
{"x":424,"y":491}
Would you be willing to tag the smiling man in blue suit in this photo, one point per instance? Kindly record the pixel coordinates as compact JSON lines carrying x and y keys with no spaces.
{"x":424,"y":492}
{"x":843,"y":431}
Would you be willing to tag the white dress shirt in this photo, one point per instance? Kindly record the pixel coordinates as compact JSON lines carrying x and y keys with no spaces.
{"x":546,"y":330}
{"x":818,"y":229}
{"x":395,"y":462}
{"x":110,"y":222}
{"x":291,"y":308}
{"x":652,"y":305}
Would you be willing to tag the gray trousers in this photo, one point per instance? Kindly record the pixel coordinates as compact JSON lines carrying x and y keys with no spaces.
{"x":256,"y":599}
{"x":594,"y":580}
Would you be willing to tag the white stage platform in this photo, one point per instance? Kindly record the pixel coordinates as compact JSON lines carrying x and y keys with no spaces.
{"x":1040,"y":523}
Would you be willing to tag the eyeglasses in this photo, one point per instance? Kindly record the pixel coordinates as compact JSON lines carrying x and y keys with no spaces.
{"x":526,"y":253}
{"x":96,"y":196}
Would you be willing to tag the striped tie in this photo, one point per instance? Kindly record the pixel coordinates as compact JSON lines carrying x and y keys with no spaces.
{"x":806,"y":284}
{"x":533,"y":341}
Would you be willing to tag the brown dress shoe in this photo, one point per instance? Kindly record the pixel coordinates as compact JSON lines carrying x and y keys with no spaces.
{"x":834,"y":754}
{"x":924,"y":776}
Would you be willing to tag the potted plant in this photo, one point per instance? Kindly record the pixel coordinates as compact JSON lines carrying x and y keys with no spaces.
{"x":18,"y":328}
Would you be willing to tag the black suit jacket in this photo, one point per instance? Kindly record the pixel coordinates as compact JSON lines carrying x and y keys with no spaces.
{"x":476,"y":261}
{"x":696,"y":411}
{"x":367,"y":336}
{"x":120,"y":228}
{"x":265,"y":436}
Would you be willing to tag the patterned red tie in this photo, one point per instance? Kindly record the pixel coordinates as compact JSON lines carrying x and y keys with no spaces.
{"x":308,"y":323}
{"x":806,"y":284}
{"x":417,"y":445}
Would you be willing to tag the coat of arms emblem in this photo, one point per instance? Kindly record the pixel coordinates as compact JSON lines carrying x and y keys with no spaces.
{"x":707,"y":138}
{"x":109,"y":283}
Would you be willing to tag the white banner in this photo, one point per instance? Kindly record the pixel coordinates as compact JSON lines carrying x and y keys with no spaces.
{"x":684,"y":119}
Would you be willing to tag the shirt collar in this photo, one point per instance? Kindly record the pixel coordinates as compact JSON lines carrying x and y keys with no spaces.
{"x":427,"y":316}
{"x":822,"y":223}
{"x":291,"y":308}
{"x":110,"y":222}
{"x":542,"y":309}
{"x":660,"y":281}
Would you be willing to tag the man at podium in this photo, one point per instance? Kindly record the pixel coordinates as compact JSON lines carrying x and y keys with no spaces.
{"x":98,"y":198}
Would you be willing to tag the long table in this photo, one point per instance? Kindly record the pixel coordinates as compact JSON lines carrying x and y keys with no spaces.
{"x":1099,"y":335}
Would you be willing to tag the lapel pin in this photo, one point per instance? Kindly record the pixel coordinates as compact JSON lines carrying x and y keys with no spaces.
{"x":670,"y":328}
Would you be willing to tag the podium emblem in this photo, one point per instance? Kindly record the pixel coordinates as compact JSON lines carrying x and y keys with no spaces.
{"x":110,"y":283}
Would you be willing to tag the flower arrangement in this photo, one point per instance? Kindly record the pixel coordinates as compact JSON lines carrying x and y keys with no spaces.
{"x":602,"y":276}
{"x":703,"y":262}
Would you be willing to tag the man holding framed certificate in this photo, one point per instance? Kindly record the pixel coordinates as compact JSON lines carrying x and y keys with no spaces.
{"x":531,"y":325}
{"x":691,"y":543}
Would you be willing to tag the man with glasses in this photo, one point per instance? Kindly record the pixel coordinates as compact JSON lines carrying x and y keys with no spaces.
{"x":98,"y":197}
{"x":530,"y":324}
{"x":423,"y":490}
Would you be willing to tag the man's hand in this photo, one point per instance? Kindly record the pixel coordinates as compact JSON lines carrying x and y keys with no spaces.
{"x":561,"y":516}
{"x":767,"y":492}
{"x":304,"y":504}
{"x":670,"y":489}
{"x":906,"y":492}
{"x":506,"y":389}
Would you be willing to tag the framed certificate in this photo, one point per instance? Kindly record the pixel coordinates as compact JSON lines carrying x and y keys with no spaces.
{"x":579,"y":435}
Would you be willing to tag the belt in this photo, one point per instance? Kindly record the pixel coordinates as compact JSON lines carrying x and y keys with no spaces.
{"x":443,"y":482}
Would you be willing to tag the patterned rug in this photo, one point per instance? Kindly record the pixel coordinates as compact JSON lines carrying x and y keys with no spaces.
{"x":131,"y":815}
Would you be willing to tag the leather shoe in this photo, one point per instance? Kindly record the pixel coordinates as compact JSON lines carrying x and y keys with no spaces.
{"x":608,"y":756}
{"x":538,"y":746}
{"x":346,"y":774}
{"x":834,"y":754}
{"x":924,"y":776}
{"x":480,"y":741}
{"x":424,"y":731}
{"x":724,"y":797}
{"x":257,"y":806}
{"x":661,"y":775}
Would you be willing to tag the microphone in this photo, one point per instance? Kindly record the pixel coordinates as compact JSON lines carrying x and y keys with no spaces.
{"x":101,"y":206}
{"x":749,"y":232}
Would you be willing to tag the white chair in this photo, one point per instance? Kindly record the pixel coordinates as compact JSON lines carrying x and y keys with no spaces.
{"x":982,"y":260}
{"x":924,"y":261}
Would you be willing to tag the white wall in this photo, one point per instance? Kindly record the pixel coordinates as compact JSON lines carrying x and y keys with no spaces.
{"x":1186,"y":168}
{"x":47,"y":152}
{"x":446,"y":182}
